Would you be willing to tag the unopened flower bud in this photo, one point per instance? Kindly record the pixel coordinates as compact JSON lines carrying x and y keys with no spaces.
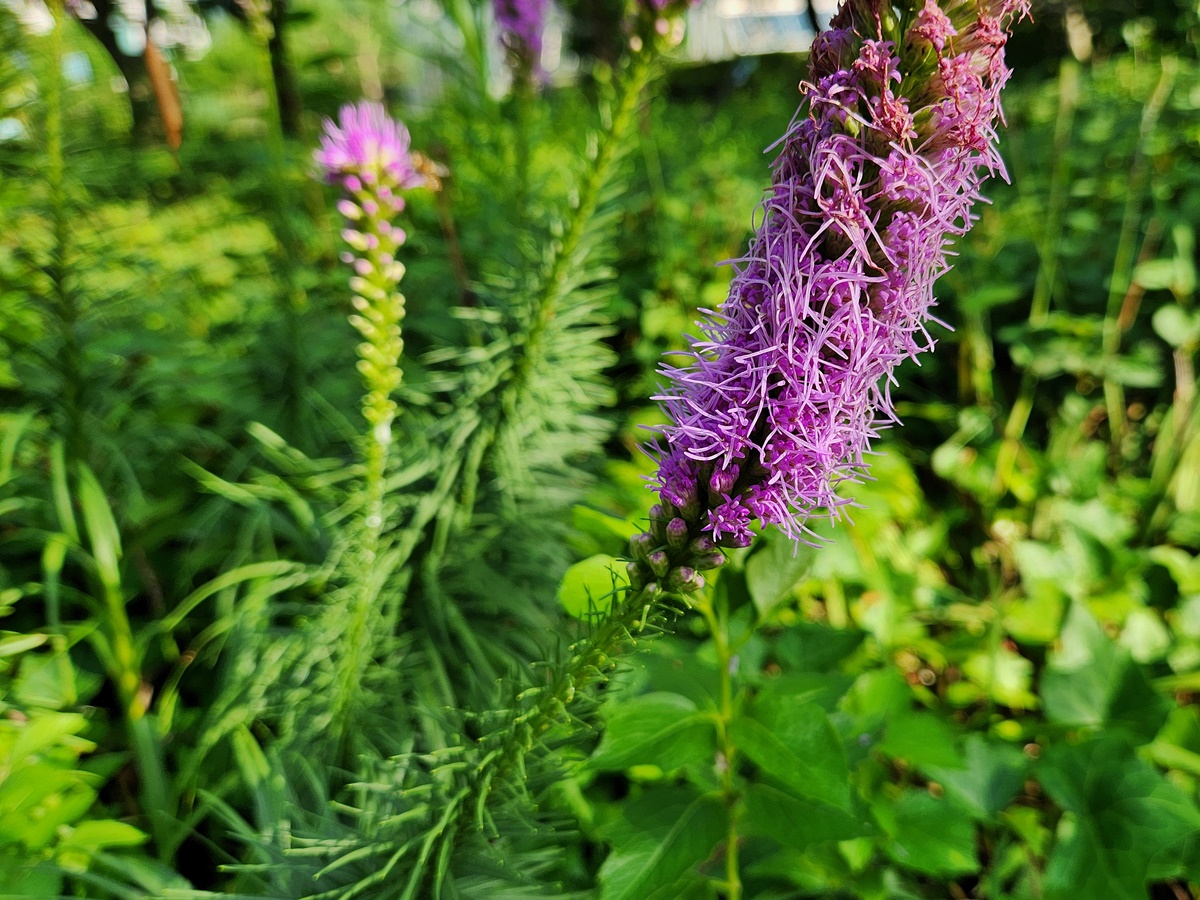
{"x":702,"y":545}
{"x":706,"y":561}
{"x":636,"y":579}
{"x":355,"y":239}
{"x":737,"y":540}
{"x":641,"y":545}
{"x":677,"y":533}
{"x":658,"y":562}
{"x":723,"y":479}
{"x":687,"y":580}
{"x":349,"y":209}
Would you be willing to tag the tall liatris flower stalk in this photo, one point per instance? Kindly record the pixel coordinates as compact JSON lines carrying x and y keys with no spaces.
{"x":790,"y":382}
{"x":367,"y":153}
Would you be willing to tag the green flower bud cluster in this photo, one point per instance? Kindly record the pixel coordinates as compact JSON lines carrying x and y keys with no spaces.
{"x":378,"y":307}
{"x":670,"y":556}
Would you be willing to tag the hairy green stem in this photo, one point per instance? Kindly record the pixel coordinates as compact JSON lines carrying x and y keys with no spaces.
{"x":504,"y":415}
{"x":502,"y":754}
{"x":552,"y":289}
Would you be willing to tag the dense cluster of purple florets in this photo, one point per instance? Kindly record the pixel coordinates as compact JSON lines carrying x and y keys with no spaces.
{"x":789,"y":383}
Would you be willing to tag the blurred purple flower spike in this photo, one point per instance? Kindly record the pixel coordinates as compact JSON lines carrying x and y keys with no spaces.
{"x":522,"y":24}
{"x":790,"y":382}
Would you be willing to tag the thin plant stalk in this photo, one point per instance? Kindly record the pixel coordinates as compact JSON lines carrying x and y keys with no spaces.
{"x":565,"y":258}
{"x":1139,"y":171}
{"x":718,"y":626}
{"x":1047,"y":277}
{"x":64,"y":303}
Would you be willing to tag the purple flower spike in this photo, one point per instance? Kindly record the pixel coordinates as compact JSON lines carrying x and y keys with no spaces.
{"x":790,"y":381}
{"x":521,"y":24}
{"x":367,"y":145}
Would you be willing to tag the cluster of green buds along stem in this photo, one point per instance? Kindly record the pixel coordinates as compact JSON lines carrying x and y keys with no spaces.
{"x":671,"y":555}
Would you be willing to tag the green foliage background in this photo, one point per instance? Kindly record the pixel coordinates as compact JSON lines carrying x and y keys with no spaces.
{"x":984,"y":686}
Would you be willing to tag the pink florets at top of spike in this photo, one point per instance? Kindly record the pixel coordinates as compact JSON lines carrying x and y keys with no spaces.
{"x":367,"y":148}
{"x":790,"y":383}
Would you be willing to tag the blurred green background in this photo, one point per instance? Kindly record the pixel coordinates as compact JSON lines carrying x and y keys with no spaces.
{"x":1003,"y":646}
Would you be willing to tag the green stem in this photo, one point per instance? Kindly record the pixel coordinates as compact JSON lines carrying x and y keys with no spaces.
{"x":1047,"y":277}
{"x":1114,"y":394}
{"x":64,"y":302}
{"x":503,"y":755}
{"x":1172,"y":444}
{"x":718,"y":626}
{"x":381,"y":310}
{"x":565,"y":259}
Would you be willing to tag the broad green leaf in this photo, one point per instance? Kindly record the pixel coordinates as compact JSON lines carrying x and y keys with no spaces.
{"x":990,"y":776}
{"x":795,"y":821}
{"x":1177,"y":326}
{"x":929,"y":835}
{"x":600,"y":531}
{"x":43,"y":731}
{"x":878,"y":696}
{"x":1145,"y":636}
{"x":805,"y":647}
{"x":665,"y":730}
{"x":1090,"y":680}
{"x":795,"y":745}
{"x":47,"y":681}
{"x":657,"y":839}
{"x":1183,"y":566}
{"x":587,"y":586}
{"x":921,"y":739}
{"x":1047,"y":579}
{"x":774,"y":571}
{"x":1127,"y":824}
{"x":1155,"y":275}
{"x":1005,"y":675}
{"x":20,"y":881}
